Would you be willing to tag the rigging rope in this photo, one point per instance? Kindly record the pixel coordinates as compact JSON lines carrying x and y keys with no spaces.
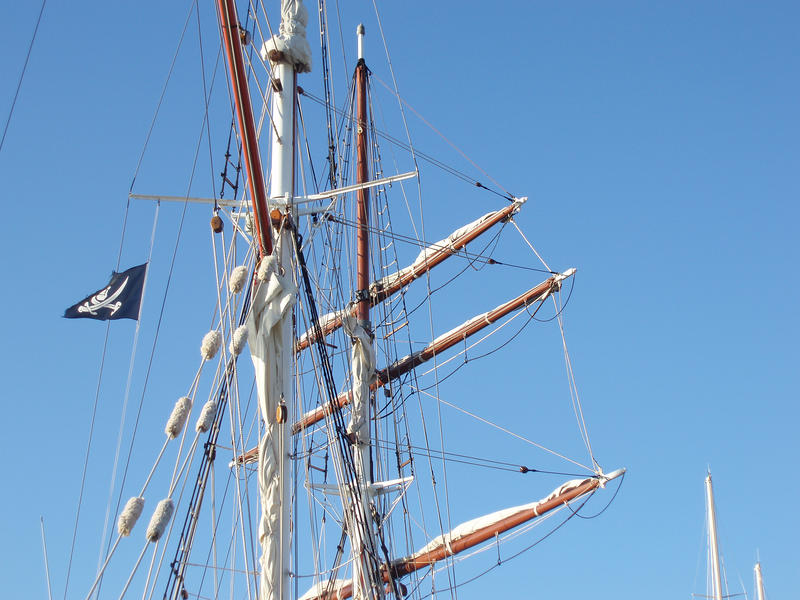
{"x":417,"y":153}
{"x":16,"y":94}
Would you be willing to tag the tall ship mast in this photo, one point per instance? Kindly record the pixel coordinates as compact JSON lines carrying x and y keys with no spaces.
{"x":324,"y":458}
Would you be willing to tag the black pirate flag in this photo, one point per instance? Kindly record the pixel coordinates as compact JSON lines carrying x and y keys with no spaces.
{"x":120,"y":299}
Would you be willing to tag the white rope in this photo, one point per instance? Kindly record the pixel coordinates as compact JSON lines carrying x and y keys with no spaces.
{"x":573,"y":387}
{"x":507,"y":431}
{"x":546,"y":266}
{"x":153,"y":470}
{"x":149,"y":575}
{"x":402,"y":101}
{"x":478,"y":341}
{"x":124,"y":412}
{"x":135,"y":568}
{"x":102,"y":569}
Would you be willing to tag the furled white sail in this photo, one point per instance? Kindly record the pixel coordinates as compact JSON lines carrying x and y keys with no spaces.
{"x":291,"y":40}
{"x":270,"y":316}
{"x":473,"y":525}
{"x":419,"y":264}
{"x":363,"y":365}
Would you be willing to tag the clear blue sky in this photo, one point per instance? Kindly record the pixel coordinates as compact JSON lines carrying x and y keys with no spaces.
{"x":659,"y":146}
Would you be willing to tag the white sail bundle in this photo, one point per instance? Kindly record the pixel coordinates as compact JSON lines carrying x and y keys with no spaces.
{"x":335,"y":588}
{"x":238,"y":279}
{"x":210,"y":344}
{"x":363,"y":363}
{"x":206,"y":416}
{"x":419,"y":264}
{"x":238,"y":340}
{"x":177,"y":419}
{"x":473,"y":525}
{"x":291,"y":40}
{"x":159,"y":520}
{"x":269,"y":320}
{"x":130,"y":515}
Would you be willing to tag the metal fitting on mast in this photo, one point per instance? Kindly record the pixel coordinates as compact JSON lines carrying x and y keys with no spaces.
{"x":360,"y":34}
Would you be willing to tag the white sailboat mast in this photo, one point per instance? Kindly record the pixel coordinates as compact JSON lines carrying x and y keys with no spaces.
{"x":712,"y":541}
{"x":270,"y":324}
{"x":759,"y":582}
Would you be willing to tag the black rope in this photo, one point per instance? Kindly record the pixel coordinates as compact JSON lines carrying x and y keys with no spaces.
{"x":594,"y":516}
{"x":16,"y":95}
{"x":463,"y":253}
{"x":430,"y":159}
{"x":335,"y":413}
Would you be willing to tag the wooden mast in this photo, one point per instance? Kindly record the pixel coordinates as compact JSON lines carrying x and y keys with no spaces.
{"x":362,"y":176}
{"x":363,"y":542}
{"x":232,"y":37}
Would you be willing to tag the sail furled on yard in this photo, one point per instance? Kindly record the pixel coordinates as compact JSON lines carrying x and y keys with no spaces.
{"x":473,"y":533}
{"x":270,"y":317}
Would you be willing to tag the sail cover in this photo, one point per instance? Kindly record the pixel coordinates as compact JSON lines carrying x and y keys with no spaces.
{"x":363,"y":364}
{"x":269,"y":321}
{"x":291,"y":40}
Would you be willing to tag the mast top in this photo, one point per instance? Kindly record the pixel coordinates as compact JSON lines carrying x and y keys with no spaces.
{"x":360,"y":34}
{"x":290,"y":44}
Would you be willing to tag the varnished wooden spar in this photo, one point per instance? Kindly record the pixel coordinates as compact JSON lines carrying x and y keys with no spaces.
{"x":440,"y":344}
{"x":437,"y":256}
{"x":232,"y":37}
{"x":438,"y":552}
{"x":362,"y":195}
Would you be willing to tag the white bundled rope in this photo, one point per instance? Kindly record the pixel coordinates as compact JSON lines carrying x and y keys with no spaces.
{"x":130,"y":515}
{"x":206,"y":416}
{"x":265,"y":267}
{"x":159,"y":520}
{"x":238,"y":340}
{"x":176,"y":421}
{"x":238,"y":279}
{"x":210,"y":345}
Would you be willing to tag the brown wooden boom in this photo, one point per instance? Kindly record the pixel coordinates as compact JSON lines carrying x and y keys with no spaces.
{"x":379,"y":293}
{"x":427,"y":558}
{"x":440,"y":344}
{"x":232,"y":39}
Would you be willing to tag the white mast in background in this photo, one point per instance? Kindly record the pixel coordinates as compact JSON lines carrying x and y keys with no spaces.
{"x":270,"y":322}
{"x":759,"y":582}
{"x":712,"y":541}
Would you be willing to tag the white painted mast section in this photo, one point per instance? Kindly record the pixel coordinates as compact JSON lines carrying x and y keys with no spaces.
{"x":759,"y":582}
{"x":712,"y":542}
{"x":270,"y":323}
